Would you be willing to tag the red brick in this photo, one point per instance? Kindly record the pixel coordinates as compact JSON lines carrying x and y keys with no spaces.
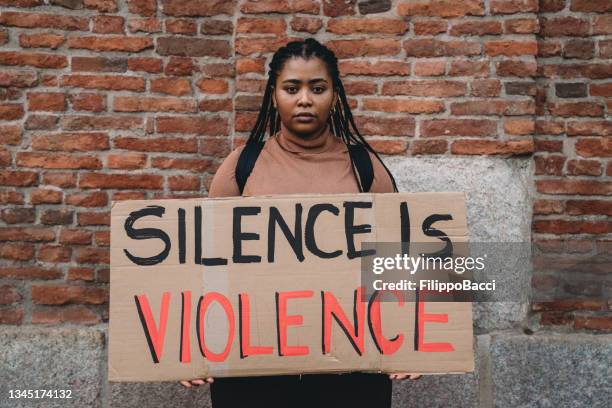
{"x":590,"y":128}
{"x":146,"y":64}
{"x":544,"y":207}
{"x":572,"y":227}
{"x":71,"y":142}
{"x":493,"y":107}
{"x":591,"y":6}
{"x":474,"y":68}
{"x":576,"y":109}
{"x":17,"y":252}
{"x":153,"y":104}
{"x":126,"y":161}
{"x":397,"y":105}
{"x":57,"y":217}
{"x":11,"y":111}
{"x":584,"y":168}
{"x":213,"y":86}
{"x":487,"y":147}
{"x":217,"y":27}
{"x":18,"y":178}
{"x":92,"y":255}
{"x":68,"y":294}
{"x":146,"y":7}
{"x":117,"y":43}
{"x":105,"y":82}
{"x":594,"y":147}
{"x":486,"y":87}
{"x":600,"y":323}
{"x":11,"y":315}
{"x":209,"y":125}
{"x":10,"y":134}
{"x":103,"y":237}
{"x":152,"y":25}
{"x":193,"y":47}
{"x":9,"y":294}
{"x":389,"y":146}
{"x":88,"y":102}
{"x":180,"y":66}
{"x":75,"y":237}
{"x":549,"y":165}
{"x":429,"y":27}
{"x":57,"y":161}
{"x":516,"y":68}
{"x":441,"y":8}
{"x":440,"y":48}
{"x":215,"y":105}
{"x":53,"y":253}
{"x":581,"y":187}
{"x":261,"y":26}
{"x":128,"y":195}
{"x":184,"y":183}
{"x":386,"y":126}
{"x":38,"y":60}
{"x":306,"y":24}
{"x":108,"y":24}
{"x":173,"y":86}
{"x":434,"y":88}
{"x":93,"y":218}
{"x":85,"y":199}
{"x":81,"y":273}
{"x":513,"y":6}
{"x":458,"y":127}
{"x":364,"y":48}
{"x":160,"y":144}
{"x":376,"y":68}
{"x":568,"y":305}
{"x":74,"y":314}
{"x":194,"y":165}
{"x":41,"y":40}
{"x":60,"y":179}
{"x":44,"y":20}
{"x":347,"y":26}
{"x":522,"y":26}
{"x":476,"y":28}
{"x":511,"y":48}
{"x":429,"y":147}
{"x":562,"y":26}
{"x":587,"y":207}
{"x":430,"y":67}
{"x":121,"y":181}
{"x":29,"y":272}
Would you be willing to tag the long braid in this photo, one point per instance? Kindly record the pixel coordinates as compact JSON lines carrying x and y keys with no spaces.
{"x":341,"y":121}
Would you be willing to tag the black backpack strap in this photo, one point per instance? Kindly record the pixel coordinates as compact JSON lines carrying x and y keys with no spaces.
{"x":246,"y":162}
{"x":363,"y":162}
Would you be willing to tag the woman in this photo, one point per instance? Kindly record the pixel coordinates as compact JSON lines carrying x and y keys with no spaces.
{"x":314,"y":147}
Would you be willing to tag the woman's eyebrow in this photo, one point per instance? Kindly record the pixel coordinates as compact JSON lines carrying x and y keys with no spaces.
{"x":297,"y":81}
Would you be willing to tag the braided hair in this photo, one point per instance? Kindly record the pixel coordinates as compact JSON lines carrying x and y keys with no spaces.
{"x":340,"y":121}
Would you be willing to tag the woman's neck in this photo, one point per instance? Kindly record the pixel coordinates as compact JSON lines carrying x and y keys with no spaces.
{"x":316,"y":143}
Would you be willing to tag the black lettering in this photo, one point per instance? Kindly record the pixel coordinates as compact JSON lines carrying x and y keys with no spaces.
{"x":238,"y":236}
{"x":350,"y":230}
{"x":146,"y":233}
{"x":311,"y":244}
{"x":295,"y":239}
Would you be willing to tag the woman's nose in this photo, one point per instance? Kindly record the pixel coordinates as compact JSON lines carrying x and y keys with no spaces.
{"x":304,"y":97}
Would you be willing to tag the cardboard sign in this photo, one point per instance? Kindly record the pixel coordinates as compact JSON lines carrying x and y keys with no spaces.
{"x":271,"y":285}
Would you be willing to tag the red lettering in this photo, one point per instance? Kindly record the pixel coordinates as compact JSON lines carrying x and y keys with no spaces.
{"x":155,"y":337}
{"x":423,"y":317}
{"x":331,"y":308}
{"x":244,"y":319}
{"x":283,"y":321}
{"x":384,"y":345}
{"x":203,"y":304}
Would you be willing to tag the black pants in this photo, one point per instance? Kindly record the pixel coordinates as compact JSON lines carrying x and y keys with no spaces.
{"x":353,"y":390}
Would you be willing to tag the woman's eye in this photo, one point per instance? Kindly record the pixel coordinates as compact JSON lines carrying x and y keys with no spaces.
{"x":319,"y":89}
{"x":291,"y":89}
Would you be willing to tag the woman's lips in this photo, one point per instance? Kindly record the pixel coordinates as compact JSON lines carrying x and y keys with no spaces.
{"x":304,"y":118}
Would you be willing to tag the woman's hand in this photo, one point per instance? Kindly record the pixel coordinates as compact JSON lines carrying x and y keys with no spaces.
{"x":197,"y":381}
{"x":403,"y":376}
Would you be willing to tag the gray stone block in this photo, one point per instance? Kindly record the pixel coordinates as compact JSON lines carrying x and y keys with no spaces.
{"x":551,"y":370}
{"x":448,"y":390}
{"x":52,"y":359}
{"x":499,"y":195}
{"x":158,"y":394}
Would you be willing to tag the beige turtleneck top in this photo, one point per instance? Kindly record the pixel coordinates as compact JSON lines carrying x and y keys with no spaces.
{"x":291,"y":165}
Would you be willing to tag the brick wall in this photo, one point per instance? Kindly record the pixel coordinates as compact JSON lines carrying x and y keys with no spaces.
{"x":105,"y":100}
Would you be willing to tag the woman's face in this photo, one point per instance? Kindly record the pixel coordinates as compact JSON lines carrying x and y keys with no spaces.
{"x":303,"y":96}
